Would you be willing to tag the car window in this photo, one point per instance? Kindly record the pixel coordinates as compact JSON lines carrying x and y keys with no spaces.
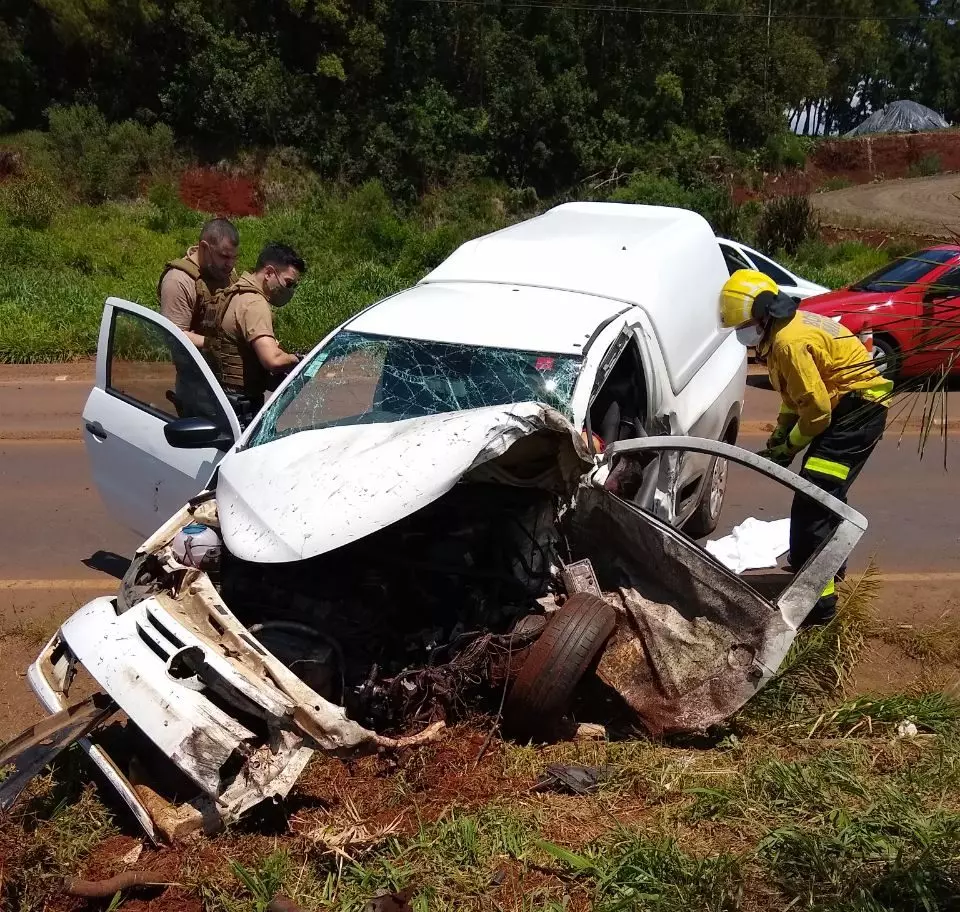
{"x":364,"y":379}
{"x":734,"y":259}
{"x":904,"y":271}
{"x":777,"y":273}
{"x":149,"y":367}
{"x":947,"y":286}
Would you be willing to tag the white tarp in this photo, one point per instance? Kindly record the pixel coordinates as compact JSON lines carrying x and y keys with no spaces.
{"x":753,"y":545}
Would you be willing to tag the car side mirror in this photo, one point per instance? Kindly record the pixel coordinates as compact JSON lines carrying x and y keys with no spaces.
{"x":197,"y":434}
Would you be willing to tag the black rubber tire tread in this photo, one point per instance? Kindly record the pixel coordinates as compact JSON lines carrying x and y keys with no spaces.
{"x":558,"y":660}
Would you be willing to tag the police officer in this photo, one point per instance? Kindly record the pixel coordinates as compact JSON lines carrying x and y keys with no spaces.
{"x":834,"y":403}
{"x":188,"y":284}
{"x":241,"y":343}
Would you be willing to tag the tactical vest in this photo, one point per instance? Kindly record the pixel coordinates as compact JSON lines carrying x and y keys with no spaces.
{"x":204,"y":295}
{"x":235,"y":367}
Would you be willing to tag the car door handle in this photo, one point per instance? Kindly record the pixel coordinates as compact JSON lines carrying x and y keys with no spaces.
{"x":96,"y":428}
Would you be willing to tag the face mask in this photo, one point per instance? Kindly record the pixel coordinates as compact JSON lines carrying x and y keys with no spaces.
{"x":281,"y":296}
{"x":749,"y":336}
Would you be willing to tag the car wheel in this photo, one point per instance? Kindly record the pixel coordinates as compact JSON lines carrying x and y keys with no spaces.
{"x":705,"y":518}
{"x":570,"y":644}
{"x":886,"y":356}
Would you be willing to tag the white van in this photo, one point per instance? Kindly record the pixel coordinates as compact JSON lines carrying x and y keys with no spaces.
{"x":606,"y":312}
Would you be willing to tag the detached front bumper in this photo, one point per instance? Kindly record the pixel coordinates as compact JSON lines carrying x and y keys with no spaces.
{"x":50,"y":677}
{"x":147,"y":660}
{"x":229,"y":715}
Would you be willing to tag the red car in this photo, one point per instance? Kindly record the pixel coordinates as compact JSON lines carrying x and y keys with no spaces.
{"x":913,"y":307}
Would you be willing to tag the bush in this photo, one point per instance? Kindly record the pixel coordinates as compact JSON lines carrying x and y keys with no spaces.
{"x":167,"y":211}
{"x":29,"y":201}
{"x":926,"y":166}
{"x":785,"y":223}
{"x":712,"y":201}
{"x":784,"y":151}
{"x":104,"y":161}
{"x":286,"y":179}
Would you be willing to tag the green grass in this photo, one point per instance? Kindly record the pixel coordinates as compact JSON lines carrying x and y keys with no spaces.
{"x":811,"y":801}
{"x":51,"y":830}
{"x":837,"y":265}
{"x":926,"y":166}
{"x":358,"y":245}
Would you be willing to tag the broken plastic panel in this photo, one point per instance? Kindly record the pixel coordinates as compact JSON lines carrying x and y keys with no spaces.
{"x":362,"y":379}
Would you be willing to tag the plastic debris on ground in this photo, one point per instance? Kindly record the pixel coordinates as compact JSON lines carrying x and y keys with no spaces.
{"x":753,"y":545}
{"x":571,"y":779}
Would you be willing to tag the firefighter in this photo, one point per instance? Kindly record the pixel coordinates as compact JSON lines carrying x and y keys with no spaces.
{"x":834,"y":404}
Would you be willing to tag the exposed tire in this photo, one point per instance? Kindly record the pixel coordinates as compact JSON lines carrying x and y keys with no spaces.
{"x":886,"y":356}
{"x":705,"y":518}
{"x":570,"y":643}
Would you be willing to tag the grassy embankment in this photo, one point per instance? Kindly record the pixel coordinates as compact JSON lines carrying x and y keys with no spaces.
{"x":358,"y":245}
{"x":807,"y":800}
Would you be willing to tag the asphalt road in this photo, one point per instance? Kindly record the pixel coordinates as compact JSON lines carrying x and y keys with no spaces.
{"x":59,"y":547}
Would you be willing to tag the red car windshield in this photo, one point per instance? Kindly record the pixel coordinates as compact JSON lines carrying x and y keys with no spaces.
{"x":904,"y":271}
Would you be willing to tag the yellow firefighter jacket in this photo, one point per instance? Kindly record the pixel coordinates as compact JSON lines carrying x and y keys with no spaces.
{"x":813,"y":361}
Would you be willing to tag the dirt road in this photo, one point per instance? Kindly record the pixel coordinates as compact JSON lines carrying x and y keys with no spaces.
{"x":60,"y":548}
{"x":928,"y":205}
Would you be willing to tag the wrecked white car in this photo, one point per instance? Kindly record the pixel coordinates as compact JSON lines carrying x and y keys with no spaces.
{"x":416,"y":523}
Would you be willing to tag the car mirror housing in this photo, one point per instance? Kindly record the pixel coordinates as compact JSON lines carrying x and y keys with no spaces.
{"x":197,"y":434}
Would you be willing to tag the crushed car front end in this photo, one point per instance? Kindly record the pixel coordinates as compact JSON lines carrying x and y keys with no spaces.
{"x":235,"y":669}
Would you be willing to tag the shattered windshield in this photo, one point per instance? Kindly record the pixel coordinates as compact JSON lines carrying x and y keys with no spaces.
{"x":365,"y":379}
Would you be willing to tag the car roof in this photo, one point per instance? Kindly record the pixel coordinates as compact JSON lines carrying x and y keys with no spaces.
{"x":494,"y":316}
{"x":615,"y":250}
{"x":610,"y":255}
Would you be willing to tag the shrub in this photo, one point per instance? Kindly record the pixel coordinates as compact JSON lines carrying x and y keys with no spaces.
{"x":652,"y":190}
{"x":711,"y":200}
{"x":286,"y":179}
{"x":785,"y":150}
{"x":785,"y":223}
{"x":29,"y":201}
{"x":926,"y":166}
{"x":167,"y":211}
{"x":104,"y":161}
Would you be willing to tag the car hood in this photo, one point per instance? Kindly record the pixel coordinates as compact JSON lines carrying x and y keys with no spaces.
{"x":847,"y":301}
{"x":314,"y":491}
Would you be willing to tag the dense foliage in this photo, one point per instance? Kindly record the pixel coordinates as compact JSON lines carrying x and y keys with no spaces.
{"x":421,"y":92}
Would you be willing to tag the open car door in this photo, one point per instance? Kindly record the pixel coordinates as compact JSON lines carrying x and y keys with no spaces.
{"x":150,"y":375}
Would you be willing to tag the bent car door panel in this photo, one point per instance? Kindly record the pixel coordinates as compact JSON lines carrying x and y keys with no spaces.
{"x":148,"y":374}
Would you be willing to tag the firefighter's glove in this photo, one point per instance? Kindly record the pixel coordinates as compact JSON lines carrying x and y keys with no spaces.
{"x":778,"y":437}
{"x":786,"y":421}
{"x":782,"y":454}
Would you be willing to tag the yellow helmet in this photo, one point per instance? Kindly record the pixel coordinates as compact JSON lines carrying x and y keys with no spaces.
{"x":738,"y":295}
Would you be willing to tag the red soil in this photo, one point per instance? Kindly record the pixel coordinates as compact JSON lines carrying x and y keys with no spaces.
{"x":209,"y":190}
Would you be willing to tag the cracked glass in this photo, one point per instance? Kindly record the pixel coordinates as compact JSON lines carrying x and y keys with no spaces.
{"x":365,"y":379}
